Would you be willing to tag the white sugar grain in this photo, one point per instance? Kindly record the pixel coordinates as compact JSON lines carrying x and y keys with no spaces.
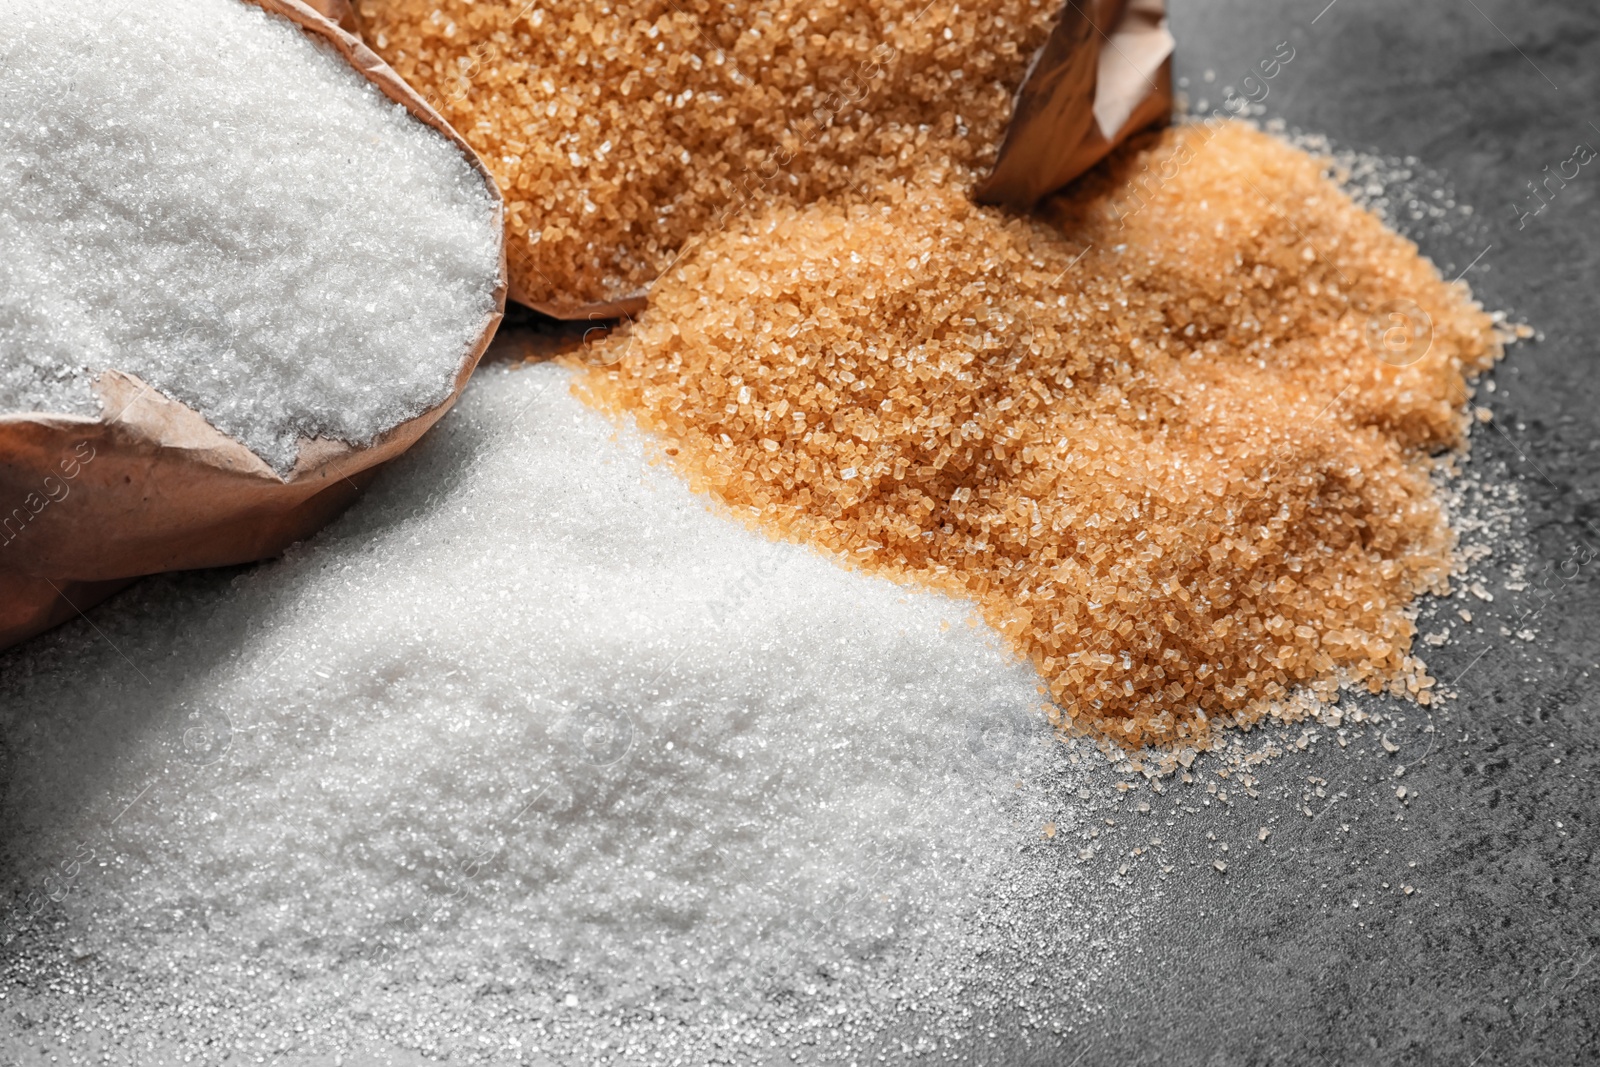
{"x":532,"y":717}
{"x":199,"y":194}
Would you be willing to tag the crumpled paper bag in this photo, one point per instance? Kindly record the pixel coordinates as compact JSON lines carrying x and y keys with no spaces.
{"x":341,"y":13}
{"x":1104,"y":73}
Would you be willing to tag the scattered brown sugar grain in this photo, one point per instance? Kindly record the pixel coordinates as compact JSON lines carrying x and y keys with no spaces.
{"x":619,"y":131}
{"x":1152,"y":442}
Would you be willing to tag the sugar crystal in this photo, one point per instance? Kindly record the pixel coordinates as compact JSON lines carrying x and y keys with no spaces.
{"x":1152,"y":437}
{"x":200,"y":194}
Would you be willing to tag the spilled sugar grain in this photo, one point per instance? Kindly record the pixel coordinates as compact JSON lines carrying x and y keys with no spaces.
{"x":622,"y":131}
{"x":531,"y":744}
{"x":1060,"y":921}
{"x":1153,"y":438}
{"x":202,"y":196}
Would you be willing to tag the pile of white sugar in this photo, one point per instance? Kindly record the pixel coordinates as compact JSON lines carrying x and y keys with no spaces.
{"x":200,"y":194}
{"x":530,"y":723}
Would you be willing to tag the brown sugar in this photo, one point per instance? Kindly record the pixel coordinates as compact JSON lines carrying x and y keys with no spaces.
{"x":620,"y":131}
{"x":1151,"y":437}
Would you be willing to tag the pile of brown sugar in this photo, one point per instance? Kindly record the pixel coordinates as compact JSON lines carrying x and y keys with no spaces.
{"x":618,"y":131}
{"x":1153,"y":442}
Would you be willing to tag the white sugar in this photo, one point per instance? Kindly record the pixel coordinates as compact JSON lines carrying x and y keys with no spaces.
{"x":531,"y":717}
{"x":199,"y":194}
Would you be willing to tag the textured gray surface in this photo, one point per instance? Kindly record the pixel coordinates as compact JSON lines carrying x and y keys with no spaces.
{"x":1494,"y":958}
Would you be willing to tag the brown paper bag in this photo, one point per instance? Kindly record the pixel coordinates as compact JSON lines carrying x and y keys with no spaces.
{"x":341,"y":13}
{"x":88,"y":504}
{"x":631,"y":304}
{"x":1104,"y":73}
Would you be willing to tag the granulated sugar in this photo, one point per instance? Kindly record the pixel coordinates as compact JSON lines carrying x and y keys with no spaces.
{"x":200,"y":195}
{"x":621,"y":131}
{"x":531,"y":719}
{"x":1164,"y":446}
